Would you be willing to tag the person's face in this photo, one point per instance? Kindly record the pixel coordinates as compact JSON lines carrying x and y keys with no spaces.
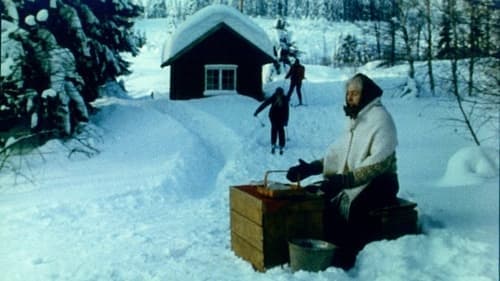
{"x":353,"y":95}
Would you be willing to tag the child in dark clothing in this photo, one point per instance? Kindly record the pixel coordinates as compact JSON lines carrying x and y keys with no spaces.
{"x":296,"y":75}
{"x":278,"y":115}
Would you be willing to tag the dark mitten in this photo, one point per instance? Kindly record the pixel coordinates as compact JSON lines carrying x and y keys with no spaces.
{"x":333,"y":184}
{"x":303,"y":170}
{"x":296,"y":173}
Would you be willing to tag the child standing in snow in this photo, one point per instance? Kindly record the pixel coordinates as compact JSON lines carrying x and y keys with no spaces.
{"x":278,"y":115}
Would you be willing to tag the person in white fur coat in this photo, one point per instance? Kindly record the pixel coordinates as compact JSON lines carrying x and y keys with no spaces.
{"x":359,"y":168}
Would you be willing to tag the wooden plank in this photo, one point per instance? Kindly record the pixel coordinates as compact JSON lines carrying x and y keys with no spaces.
{"x":246,"y":251}
{"x":245,"y":203}
{"x":266,"y":204}
{"x":247,"y":230}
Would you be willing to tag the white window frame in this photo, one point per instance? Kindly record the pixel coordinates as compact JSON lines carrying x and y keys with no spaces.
{"x":220,"y":68}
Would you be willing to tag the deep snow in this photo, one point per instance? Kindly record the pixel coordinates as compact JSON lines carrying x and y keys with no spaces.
{"x":153,"y":204}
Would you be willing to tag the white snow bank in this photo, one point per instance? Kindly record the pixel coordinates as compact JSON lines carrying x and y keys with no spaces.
{"x":449,"y":256}
{"x":205,"y":19}
{"x":471,"y":165}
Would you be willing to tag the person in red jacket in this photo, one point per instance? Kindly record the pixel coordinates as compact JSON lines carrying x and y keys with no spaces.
{"x":296,"y":75}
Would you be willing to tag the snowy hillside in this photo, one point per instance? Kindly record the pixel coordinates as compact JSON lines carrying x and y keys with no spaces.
{"x":153,"y":203}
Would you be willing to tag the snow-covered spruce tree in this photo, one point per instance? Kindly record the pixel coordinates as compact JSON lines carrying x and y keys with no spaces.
{"x":156,"y":9}
{"x":445,"y":44}
{"x":12,"y":56}
{"x":55,"y":56}
{"x":348,"y":52}
{"x":107,"y":25}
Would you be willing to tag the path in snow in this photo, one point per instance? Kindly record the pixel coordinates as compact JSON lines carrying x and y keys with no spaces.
{"x":137,"y":211}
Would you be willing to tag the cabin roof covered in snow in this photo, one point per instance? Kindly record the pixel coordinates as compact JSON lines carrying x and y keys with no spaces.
{"x":203,"y":21}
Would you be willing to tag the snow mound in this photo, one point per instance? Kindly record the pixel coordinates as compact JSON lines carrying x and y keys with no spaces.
{"x":471,"y":165}
{"x":445,"y":259}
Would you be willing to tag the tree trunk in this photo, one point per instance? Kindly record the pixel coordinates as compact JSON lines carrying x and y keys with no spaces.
{"x":376,"y":25}
{"x":454,"y":72}
{"x":470,"y":83}
{"x":409,"y":55}
{"x":473,"y":44}
{"x":429,"y":46}
{"x":459,"y":101}
{"x":392,"y":55}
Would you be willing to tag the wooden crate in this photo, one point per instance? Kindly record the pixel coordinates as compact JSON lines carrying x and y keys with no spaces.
{"x":261,"y":226}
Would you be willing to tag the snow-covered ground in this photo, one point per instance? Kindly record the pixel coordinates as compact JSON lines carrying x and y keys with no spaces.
{"x":153,"y":204}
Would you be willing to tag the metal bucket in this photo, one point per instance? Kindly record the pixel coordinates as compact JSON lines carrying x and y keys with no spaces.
{"x":310,"y":254}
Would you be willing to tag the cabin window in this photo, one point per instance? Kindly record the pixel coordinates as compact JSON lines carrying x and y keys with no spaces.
{"x":220,"y":78}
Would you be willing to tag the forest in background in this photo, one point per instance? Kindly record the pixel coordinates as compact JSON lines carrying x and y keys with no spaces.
{"x":59,"y":55}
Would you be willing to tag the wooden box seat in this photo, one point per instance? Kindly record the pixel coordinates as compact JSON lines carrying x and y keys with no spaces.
{"x":393,"y":221}
{"x":261,"y":226}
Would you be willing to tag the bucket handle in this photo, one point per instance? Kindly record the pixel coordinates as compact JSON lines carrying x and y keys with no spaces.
{"x":266,"y":175}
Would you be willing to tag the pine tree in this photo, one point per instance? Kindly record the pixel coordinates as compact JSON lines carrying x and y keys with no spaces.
{"x":156,"y":9}
{"x":445,"y":42}
{"x":347,"y":53}
{"x":59,"y":53}
{"x":12,"y":55}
